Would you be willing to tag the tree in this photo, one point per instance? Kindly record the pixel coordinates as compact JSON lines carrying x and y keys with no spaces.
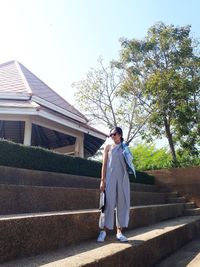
{"x":148,"y":157}
{"x":164,"y":71}
{"x":98,"y":95}
{"x":188,"y":132}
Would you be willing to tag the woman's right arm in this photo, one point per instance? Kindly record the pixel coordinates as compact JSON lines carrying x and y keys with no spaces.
{"x":104,"y":166}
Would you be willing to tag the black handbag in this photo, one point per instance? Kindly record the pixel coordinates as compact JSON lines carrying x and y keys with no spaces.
{"x":102,"y":201}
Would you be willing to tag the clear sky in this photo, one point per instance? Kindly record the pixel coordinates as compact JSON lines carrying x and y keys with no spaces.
{"x":59,"y":40}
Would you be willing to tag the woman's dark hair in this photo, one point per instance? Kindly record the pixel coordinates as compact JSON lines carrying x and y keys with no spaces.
{"x":119,"y":131}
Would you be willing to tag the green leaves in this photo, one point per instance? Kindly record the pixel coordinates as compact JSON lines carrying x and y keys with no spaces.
{"x":152,"y":91}
{"x":164,"y":68}
{"x":147,"y":157}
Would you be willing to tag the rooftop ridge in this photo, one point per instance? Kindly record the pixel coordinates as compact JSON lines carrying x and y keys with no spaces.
{"x":34,"y":85}
{"x":46,"y":85}
{"x":23,"y":77}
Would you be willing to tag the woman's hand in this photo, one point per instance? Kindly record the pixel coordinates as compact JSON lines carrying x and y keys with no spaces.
{"x":102,"y":185}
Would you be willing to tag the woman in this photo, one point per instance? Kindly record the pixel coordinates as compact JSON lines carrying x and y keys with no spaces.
{"x":115,"y":182}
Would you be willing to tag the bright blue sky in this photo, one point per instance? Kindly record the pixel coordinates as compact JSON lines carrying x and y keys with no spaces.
{"x":59,"y":40}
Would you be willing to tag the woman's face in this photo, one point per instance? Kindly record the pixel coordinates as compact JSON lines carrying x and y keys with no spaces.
{"x":116,"y":137}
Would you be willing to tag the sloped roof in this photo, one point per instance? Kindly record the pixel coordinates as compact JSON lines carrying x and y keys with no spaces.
{"x":22,"y":92}
{"x":17,"y":82}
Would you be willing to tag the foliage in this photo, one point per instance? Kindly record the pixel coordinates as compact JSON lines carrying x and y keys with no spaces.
{"x":147,"y":157}
{"x":20,"y":156}
{"x":164,"y":71}
{"x":185,"y":159}
{"x":36,"y":158}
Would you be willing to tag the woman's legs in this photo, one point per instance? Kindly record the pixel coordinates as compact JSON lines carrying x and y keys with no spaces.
{"x":114,"y":198}
{"x":110,"y":204}
{"x":106,"y":220}
{"x":122,"y":212}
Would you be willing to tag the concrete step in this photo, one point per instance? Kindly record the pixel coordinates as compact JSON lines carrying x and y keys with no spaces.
{"x":188,"y":255}
{"x":16,"y":176}
{"x":176,"y":200}
{"x":145,"y":248}
{"x":192,"y":212}
{"x":147,"y":198}
{"x":32,"y":234}
{"x":172,"y":194}
{"x":143,"y":187}
{"x":26,"y":199}
{"x":190,"y":205}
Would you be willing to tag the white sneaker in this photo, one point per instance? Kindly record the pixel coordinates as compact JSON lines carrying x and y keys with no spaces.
{"x":102,"y":236}
{"x":121,"y":237}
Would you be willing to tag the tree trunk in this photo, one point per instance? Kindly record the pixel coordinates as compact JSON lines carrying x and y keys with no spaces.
{"x":170,"y":140}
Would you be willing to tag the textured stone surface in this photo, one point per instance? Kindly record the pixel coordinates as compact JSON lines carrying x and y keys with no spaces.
{"x":146,"y":247}
{"x":192,"y":212}
{"x":32,"y":234}
{"x":25,"y":199}
{"x":189,"y":256}
{"x":147,"y":198}
{"x":184,"y":180}
{"x":26,"y":235}
{"x":11,"y":175}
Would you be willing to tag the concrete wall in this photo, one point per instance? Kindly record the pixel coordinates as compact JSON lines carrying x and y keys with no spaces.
{"x":184,"y":180}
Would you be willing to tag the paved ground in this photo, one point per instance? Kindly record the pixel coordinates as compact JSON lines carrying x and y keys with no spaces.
{"x":189,"y":256}
{"x":91,"y":251}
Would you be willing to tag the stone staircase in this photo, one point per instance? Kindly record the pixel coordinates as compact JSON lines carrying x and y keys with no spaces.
{"x":51,"y":219}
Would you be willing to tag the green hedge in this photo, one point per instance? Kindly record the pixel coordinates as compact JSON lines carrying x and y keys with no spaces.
{"x":36,"y":158}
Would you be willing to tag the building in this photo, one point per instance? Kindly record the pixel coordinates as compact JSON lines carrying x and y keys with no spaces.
{"x":32,"y":113}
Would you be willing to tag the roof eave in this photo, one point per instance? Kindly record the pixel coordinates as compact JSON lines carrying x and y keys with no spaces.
{"x":52,"y":117}
{"x":62,"y":111}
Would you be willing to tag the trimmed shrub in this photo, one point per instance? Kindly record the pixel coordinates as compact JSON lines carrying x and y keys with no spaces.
{"x":37,"y":158}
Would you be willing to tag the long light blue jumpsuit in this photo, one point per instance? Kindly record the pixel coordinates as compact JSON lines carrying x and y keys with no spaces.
{"x":117,"y":191}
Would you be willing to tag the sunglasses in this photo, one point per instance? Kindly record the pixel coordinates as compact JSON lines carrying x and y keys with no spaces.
{"x":113,"y":134}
